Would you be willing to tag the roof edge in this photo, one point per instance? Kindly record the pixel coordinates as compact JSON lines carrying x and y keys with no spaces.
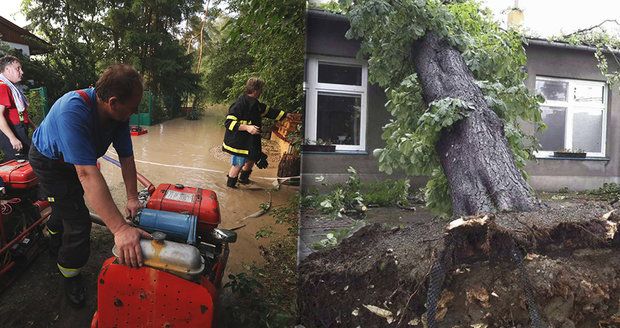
{"x":566,"y":45}
{"x":324,"y":14}
{"x":24,"y":32}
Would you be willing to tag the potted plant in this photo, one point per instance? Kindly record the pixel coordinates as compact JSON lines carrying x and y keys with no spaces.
{"x":570,"y":153}
{"x":319,"y":145}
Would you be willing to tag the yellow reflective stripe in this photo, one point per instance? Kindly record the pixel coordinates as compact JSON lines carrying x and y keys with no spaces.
{"x":68,"y":273}
{"x":245,"y":122}
{"x":50,"y":199}
{"x":51,"y":231}
{"x":279,"y":115}
{"x":235,"y":150}
{"x":232,"y":125}
{"x":231,"y":117}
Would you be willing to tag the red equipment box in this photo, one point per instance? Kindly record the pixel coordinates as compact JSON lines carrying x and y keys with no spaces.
{"x":18,"y":175}
{"x":135,"y":130}
{"x":147,"y":297}
{"x":138,"y":133}
{"x":188,"y":200}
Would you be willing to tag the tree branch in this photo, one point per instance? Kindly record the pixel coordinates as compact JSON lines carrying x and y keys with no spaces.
{"x":593,"y":27}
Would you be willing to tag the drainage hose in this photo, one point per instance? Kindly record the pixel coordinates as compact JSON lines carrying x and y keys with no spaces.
{"x":143,"y":180}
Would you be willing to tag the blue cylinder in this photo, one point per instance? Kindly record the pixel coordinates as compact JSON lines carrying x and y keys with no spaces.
{"x":181,"y":227}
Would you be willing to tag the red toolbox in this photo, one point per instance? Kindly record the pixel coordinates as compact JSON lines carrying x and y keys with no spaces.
{"x":195,"y":201}
{"x":18,"y":175}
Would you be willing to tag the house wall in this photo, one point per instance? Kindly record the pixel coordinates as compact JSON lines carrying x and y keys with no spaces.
{"x":576,"y":174}
{"x":24,"y":48}
{"x":325,"y":36}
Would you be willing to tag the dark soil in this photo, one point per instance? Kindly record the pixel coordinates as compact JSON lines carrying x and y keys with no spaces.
{"x":571,"y":263}
{"x":37,"y":298}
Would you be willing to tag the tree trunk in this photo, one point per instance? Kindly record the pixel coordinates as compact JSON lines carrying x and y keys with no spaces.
{"x":474,"y":152}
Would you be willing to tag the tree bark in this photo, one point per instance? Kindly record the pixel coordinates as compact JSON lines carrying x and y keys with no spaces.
{"x":474,"y":152}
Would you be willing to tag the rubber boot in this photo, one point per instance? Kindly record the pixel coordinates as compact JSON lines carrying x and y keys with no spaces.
{"x":231,"y":182}
{"x":75,"y":291}
{"x":244,"y":177}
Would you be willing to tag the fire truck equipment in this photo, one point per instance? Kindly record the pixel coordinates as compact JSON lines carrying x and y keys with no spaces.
{"x":18,"y":174}
{"x":21,"y":219}
{"x":195,"y":201}
{"x":180,"y":227}
{"x":178,"y":284}
{"x":179,"y":259}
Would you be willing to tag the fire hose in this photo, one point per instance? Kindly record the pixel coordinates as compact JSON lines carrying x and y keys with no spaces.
{"x":143,"y":180}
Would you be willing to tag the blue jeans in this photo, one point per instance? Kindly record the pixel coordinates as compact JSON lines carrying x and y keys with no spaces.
{"x":238,"y":160}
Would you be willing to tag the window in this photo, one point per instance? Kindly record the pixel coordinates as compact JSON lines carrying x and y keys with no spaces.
{"x":335,"y":91}
{"x":575,"y":112}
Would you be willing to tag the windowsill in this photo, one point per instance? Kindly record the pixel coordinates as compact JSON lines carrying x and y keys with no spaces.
{"x":594,"y":159}
{"x":338,"y":152}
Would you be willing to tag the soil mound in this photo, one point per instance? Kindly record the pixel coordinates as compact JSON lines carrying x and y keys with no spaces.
{"x":558,"y":265}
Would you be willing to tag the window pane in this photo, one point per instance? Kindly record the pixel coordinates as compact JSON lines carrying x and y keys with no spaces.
{"x":553,"y":137}
{"x":340,"y":74}
{"x":589,"y":93}
{"x":338,"y":119}
{"x":587,"y":130}
{"x":552,"y":90}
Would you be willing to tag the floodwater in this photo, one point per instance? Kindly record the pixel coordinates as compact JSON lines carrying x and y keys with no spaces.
{"x":180,"y":151}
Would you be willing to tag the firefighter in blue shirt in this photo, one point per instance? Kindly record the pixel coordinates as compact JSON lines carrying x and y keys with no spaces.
{"x":79,"y":128}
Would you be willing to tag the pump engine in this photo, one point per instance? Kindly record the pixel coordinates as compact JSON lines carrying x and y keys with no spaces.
{"x":183,"y":264}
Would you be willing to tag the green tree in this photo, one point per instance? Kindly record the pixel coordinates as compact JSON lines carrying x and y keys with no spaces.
{"x":89,"y":36}
{"x":72,"y":29}
{"x":265,"y":39}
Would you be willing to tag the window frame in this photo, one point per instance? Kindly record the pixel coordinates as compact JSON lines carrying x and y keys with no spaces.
{"x":573,"y":107}
{"x":313,"y":88}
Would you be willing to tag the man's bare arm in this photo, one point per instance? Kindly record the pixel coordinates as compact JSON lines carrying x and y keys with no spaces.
{"x":6,"y":129}
{"x":128,"y":168}
{"x":126,"y":237}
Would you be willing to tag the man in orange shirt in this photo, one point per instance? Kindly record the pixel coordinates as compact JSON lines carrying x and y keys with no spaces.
{"x":14,"y":120}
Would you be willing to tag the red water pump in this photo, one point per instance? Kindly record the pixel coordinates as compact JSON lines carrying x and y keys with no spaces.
{"x":21,"y":219}
{"x":184,"y":264}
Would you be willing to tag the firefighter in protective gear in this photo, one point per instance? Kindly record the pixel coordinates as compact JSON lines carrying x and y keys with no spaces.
{"x":242,"y":138}
{"x":78,"y":129}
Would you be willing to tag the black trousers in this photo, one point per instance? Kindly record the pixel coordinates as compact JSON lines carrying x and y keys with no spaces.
{"x":59,"y":183}
{"x":21,"y":132}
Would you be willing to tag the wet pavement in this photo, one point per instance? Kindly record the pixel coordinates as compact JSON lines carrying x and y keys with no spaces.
{"x":182,"y":151}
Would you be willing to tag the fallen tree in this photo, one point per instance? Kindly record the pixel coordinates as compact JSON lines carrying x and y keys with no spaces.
{"x":454,"y":83}
{"x":473,"y":152}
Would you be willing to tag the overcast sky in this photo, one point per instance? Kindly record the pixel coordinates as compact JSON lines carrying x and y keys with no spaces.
{"x":544,"y":17}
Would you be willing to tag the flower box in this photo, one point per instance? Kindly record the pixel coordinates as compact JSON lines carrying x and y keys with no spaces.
{"x":319,"y":148}
{"x":565,"y":154}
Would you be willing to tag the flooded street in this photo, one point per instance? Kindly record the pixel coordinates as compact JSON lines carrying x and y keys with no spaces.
{"x":182,"y":151}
